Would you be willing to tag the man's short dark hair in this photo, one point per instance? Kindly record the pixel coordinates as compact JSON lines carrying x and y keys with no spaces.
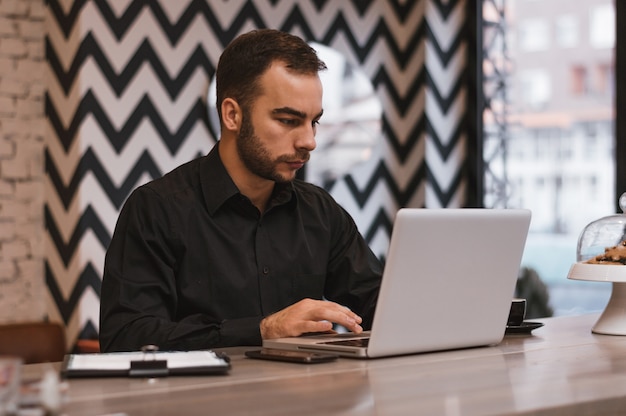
{"x":247,"y":57}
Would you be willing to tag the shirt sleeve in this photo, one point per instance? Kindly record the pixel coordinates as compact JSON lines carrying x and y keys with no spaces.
{"x":139,"y":299}
{"x":354,"y":272}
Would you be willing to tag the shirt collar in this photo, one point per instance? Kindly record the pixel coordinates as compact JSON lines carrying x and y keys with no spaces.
{"x":218,"y":187}
{"x":283,"y":193}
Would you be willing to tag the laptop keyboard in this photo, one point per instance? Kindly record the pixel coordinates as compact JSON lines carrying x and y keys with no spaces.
{"x":357,"y":342}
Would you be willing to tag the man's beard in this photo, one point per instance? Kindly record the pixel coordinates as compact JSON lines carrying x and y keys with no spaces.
{"x":257,"y":158}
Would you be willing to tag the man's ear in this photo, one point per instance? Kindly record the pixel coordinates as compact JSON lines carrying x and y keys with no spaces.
{"x":231,"y":114}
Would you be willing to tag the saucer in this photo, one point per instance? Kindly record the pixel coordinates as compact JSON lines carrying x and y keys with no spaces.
{"x":525,"y":328}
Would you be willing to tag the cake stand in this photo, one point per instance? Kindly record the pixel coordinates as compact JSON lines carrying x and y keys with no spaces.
{"x":612,"y":321}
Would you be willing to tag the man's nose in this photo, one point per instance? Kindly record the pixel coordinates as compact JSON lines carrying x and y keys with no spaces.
{"x":307,"y":139}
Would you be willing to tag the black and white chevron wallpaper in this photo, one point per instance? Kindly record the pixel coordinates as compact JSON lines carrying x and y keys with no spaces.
{"x":125,"y":103}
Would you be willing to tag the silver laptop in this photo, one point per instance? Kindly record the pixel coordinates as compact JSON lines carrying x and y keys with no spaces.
{"x":448,"y":283}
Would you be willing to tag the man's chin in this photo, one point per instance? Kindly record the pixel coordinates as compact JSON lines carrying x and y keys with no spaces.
{"x":284,"y":178}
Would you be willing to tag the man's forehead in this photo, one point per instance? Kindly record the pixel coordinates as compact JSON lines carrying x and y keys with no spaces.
{"x":286,"y":92}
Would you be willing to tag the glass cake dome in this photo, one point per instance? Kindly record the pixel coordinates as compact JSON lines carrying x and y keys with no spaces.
{"x":604,"y":240}
{"x":601,"y":257}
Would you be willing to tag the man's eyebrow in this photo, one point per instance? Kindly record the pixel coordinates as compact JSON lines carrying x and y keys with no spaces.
{"x":294,"y":112}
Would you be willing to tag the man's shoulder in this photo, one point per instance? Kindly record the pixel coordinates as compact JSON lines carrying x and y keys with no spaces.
{"x":308,"y":189}
{"x":316,"y":196}
{"x":175,"y":189}
{"x":176,"y":181}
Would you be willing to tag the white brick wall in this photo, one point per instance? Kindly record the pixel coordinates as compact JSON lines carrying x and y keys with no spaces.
{"x":22,"y":65}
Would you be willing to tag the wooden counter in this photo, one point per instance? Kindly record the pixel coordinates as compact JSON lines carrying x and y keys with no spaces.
{"x":562,"y":368}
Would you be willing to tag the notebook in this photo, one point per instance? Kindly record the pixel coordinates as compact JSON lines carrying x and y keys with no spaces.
{"x":448,"y":282}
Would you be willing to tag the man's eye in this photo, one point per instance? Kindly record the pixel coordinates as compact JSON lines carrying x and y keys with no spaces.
{"x":288,"y":121}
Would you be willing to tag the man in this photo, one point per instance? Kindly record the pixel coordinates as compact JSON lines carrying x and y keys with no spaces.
{"x":230,"y":248}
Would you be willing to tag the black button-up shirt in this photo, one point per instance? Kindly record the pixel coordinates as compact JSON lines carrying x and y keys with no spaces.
{"x":193,"y":264}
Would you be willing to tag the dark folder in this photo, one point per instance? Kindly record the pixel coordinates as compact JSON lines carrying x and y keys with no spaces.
{"x":142,"y":364}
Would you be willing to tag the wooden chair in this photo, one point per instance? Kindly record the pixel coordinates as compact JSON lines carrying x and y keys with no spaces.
{"x":85,"y":346}
{"x":34,"y":342}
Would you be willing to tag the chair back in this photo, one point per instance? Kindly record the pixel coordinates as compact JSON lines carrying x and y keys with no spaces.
{"x":34,"y":342}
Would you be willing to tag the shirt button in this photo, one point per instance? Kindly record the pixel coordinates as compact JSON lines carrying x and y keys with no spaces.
{"x":266,"y":270}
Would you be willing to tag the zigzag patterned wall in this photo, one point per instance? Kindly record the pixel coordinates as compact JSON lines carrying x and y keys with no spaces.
{"x":125,"y":104}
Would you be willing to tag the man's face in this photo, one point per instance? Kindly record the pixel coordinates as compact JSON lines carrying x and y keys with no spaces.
{"x":278,"y":132}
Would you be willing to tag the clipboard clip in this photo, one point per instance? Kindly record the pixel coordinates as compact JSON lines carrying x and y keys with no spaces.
{"x":148,"y":368}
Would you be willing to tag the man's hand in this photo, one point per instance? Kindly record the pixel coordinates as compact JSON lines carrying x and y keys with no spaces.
{"x":309,"y":315}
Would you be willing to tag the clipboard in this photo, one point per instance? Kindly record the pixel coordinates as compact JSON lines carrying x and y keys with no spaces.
{"x":145,"y":364}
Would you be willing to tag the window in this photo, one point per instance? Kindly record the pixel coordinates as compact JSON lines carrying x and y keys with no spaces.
{"x":566,"y":31}
{"x":579,"y":80}
{"x":602,"y":26}
{"x":604,"y":83}
{"x":568,"y":177}
{"x":534,"y":35}
{"x":591,"y":148}
{"x":535,"y":88}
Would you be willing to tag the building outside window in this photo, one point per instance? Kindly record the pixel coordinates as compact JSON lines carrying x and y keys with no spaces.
{"x":559,"y":135}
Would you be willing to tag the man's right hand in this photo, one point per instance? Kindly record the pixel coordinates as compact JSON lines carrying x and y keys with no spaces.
{"x":309,"y":315}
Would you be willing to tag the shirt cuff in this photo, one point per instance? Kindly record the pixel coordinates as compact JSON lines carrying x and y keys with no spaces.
{"x":242,"y":331}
